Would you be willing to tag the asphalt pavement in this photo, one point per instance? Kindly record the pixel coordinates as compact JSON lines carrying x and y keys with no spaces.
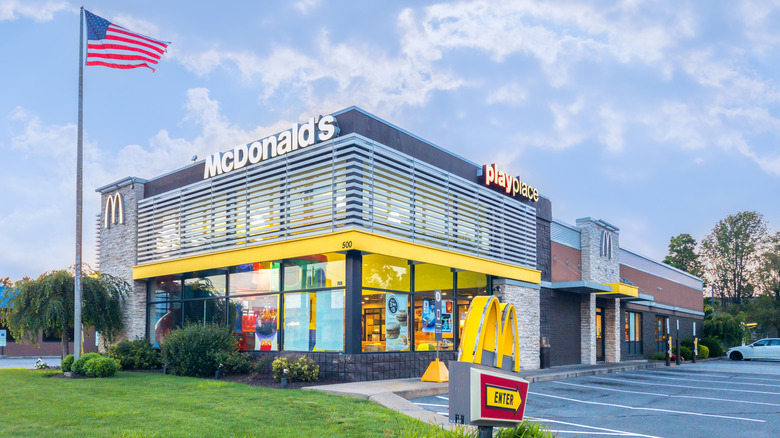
{"x":711,"y":399}
{"x":26,"y":362}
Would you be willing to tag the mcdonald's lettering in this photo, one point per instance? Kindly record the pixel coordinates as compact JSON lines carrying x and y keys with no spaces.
{"x":606,"y":245}
{"x":114,"y":213}
{"x":490,"y":335}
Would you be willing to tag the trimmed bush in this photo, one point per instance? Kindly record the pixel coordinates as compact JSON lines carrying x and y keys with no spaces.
{"x":101,"y":367}
{"x":704,"y":352}
{"x":658,"y":356}
{"x":687,"y":343}
{"x":195,"y":350}
{"x":686,"y":353}
{"x":234,"y":363}
{"x":67,"y":363}
{"x":262,"y":365}
{"x":136,"y":355}
{"x":302,"y":370}
{"x":713,"y":344}
{"x":78,"y":365}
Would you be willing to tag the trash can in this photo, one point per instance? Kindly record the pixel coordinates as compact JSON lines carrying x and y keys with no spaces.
{"x":544,"y":353}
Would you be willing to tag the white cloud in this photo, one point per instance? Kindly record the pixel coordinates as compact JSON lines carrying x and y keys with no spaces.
{"x":304,"y":6}
{"x":612,"y":128}
{"x":511,"y":94}
{"x":38,"y":11}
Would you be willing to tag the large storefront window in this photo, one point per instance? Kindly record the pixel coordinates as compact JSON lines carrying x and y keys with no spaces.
{"x":314,"y":321}
{"x":166,"y":288}
{"x":315,"y":272}
{"x":633,"y":333}
{"x":254,"y":278}
{"x":385,"y":321}
{"x":425,"y":324}
{"x":204,"y":311}
{"x":428,"y":278}
{"x":384,"y":272}
{"x":163,"y":317}
{"x":204,"y":285}
{"x":256,"y":322}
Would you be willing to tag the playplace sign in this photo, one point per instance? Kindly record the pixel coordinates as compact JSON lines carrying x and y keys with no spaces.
{"x":511,"y":185}
{"x":484,"y":387}
{"x":317,"y":129}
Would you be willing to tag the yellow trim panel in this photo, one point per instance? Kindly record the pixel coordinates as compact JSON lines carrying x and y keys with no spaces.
{"x":620,"y":290}
{"x":335,"y":242}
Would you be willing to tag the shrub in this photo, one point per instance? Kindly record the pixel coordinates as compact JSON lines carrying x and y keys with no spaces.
{"x":526,"y":429}
{"x":78,"y":365}
{"x":658,"y":356}
{"x":704,"y":352}
{"x":234,"y":363}
{"x":713,"y":344}
{"x":101,"y":367}
{"x":302,"y":370}
{"x":195,"y":350}
{"x":66,"y":363}
{"x":687,"y":343}
{"x":262,"y":365}
{"x":136,"y":355}
{"x":686,"y":353}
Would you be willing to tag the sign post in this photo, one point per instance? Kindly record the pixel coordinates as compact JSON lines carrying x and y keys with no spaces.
{"x":695,"y":343}
{"x":437,"y":313}
{"x":677,"y":341}
{"x":2,"y":342}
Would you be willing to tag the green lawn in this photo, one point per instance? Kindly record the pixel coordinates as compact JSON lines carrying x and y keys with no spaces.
{"x":158,"y":405}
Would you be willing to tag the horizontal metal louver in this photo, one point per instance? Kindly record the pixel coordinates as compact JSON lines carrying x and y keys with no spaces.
{"x":347,"y":183}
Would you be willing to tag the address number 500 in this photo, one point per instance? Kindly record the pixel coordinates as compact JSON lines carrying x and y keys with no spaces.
{"x":346,"y":244}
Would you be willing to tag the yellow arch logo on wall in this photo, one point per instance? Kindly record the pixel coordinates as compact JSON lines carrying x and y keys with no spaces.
{"x":490,"y":335}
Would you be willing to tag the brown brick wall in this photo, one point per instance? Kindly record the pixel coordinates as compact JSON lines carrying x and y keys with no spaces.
{"x":561,"y":270}
{"x":670,"y":294}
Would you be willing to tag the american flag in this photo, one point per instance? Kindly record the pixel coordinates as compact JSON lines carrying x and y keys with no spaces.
{"x":113,"y":46}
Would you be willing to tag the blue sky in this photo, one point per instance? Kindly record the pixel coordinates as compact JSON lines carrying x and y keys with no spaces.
{"x":658,"y":117}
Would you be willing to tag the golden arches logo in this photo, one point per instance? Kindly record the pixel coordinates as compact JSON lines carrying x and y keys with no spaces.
{"x":490,"y":335}
{"x":114,"y":213}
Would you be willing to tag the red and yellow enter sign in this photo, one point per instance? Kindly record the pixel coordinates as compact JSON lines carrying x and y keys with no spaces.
{"x":501,"y":398}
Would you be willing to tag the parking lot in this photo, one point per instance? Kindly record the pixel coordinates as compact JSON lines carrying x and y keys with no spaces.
{"x":712,"y":399}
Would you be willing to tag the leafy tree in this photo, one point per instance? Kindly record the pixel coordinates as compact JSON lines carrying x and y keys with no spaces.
{"x":769,"y":269}
{"x":6,"y":282}
{"x":725,"y":327}
{"x":765,"y":311}
{"x":47,"y":303}
{"x":731,"y":254}
{"x":683,"y":256}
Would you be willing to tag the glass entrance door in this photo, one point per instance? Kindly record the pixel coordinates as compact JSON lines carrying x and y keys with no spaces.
{"x":600,"y":334}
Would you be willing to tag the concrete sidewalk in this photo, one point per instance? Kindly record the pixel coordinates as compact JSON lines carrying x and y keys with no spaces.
{"x":395,"y":394}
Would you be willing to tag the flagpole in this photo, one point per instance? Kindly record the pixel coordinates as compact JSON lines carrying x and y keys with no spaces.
{"x":79,"y":196}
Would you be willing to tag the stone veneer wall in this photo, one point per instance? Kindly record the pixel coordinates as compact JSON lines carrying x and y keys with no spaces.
{"x":588,"y":329}
{"x":612,"y":332}
{"x":118,"y":256}
{"x":526,"y":302}
{"x":362,"y":367}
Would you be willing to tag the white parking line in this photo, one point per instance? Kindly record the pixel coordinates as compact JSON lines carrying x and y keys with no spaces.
{"x":697,"y":414}
{"x":708,"y":388}
{"x":668,"y":395}
{"x":612,"y":431}
{"x":442,"y":397}
{"x":687,"y":379}
{"x":431,"y":404}
{"x":722,"y":376}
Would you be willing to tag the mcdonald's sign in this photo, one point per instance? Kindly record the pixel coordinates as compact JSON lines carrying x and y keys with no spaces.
{"x":490,"y":335}
{"x":605,"y":249}
{"x":114,"y":213}
{"x":484,"y":389}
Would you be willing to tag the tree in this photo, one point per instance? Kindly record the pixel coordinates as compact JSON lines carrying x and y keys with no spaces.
{"x":47,"y":303}
{"x":683,"y":256}
{"x":769,"y":269}
{"x":6,"y":282}
{"x":731,"y":254}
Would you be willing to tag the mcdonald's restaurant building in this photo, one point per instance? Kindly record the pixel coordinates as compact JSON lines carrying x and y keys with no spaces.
{"x":331,"y":238}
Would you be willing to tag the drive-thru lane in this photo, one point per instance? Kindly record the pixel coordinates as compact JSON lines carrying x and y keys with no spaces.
{"x":710,"y":399}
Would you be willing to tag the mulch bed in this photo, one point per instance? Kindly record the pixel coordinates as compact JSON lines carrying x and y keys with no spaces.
{"x":252,"y":379}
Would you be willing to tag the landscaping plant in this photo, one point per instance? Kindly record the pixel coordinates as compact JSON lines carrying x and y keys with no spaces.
{"x":196,"y":350}
{"x":136,"y":355}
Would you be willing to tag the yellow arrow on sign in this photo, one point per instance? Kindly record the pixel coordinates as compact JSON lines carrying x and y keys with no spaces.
{"x":503,"y":398}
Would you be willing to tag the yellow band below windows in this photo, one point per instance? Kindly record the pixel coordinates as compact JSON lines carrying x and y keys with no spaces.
{"x":335,"y":242}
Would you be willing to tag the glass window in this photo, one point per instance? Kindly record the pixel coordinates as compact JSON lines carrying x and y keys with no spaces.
{"x":166,"y":288}
{"x":329,"y":320}
{"x":203,"y":312}
{"x":254,"y":278}
{"x":633,"y":328}
{"x":384,"y":272}
{"x":314,"y":272}
{"x":425,"y":324}
{"x":163,"y":317}
{"x":296,"y":321}
{"x":256,"y":322}
{"x":471,"y":284}
{"x":761,"y":343}
{"x":659,"y":328}
{"x":385,"y":321}
{"x":204,"y":285}
{"x":427,"y":278}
